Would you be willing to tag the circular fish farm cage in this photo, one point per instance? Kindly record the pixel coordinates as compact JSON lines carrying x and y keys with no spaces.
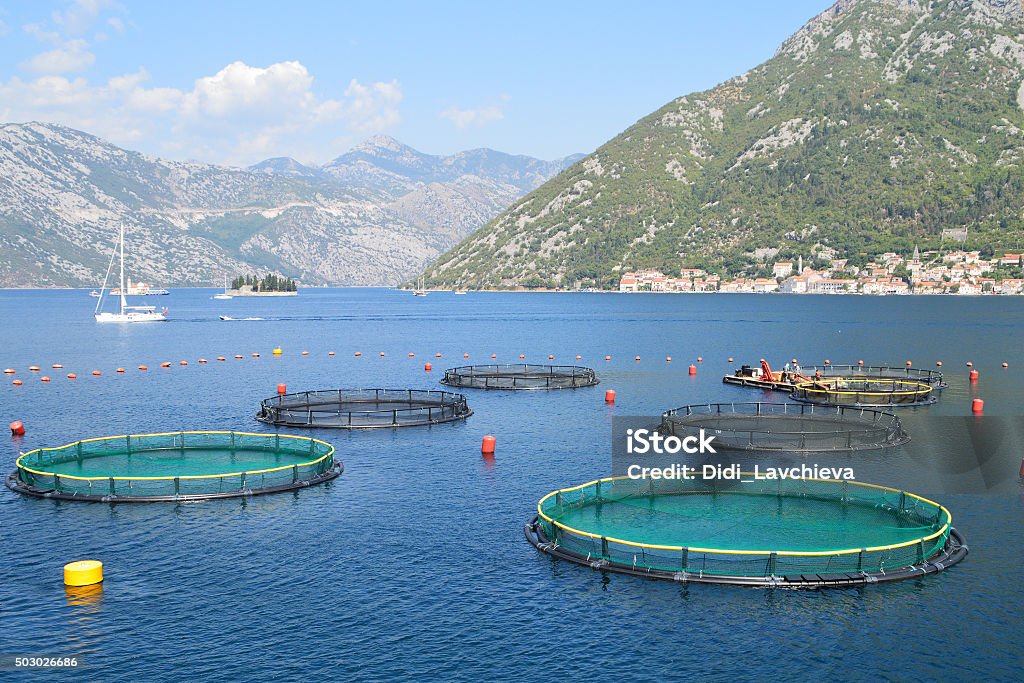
{"x":174,"y":467}
{"x":868,"y":393}
{"x":363,"y":408}
{"x":791,"y":533}
{"x":786,"y":427}
{"x":522,"y":376}
{"x":933,"y":378}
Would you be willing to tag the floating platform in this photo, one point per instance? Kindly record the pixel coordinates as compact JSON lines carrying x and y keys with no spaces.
{"x":792,"y":533}
{"x":787,"y":427}
{"x":175,"y":466}
{"x":520,"y":376}
{"x":764,"y":377}
{"x":363,"y":408}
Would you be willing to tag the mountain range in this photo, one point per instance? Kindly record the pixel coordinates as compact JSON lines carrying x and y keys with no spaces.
{"x":879,"y":125}
{"x":373,"y":216}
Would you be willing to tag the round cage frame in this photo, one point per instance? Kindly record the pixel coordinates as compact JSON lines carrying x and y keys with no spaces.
{"x":35,"y":471}
{"x":939,"y":546}
{"x":520,"y":377}
{"x":787,"y":427}
{"x":866,"y":393}
{"x":363,"y":408}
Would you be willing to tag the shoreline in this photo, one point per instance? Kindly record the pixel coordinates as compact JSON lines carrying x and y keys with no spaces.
{"x":522,"y":290}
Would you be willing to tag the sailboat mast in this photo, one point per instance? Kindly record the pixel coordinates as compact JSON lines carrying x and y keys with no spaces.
{"x":123,"y":302}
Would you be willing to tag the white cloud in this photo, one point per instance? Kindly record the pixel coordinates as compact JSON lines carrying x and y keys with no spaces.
{"x":116,"y":23}
{"x":238,"y":115}
{"x":81,"y":15}
{"x":71,"y":56}
{"x":474,"y":118}
{"x":374,"y":107}
{"x":4,"y":28}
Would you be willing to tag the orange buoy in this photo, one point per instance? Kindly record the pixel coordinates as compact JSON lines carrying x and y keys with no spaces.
{"x":143,"y":367}
{"x":938,"y":363}
{"x":730,"y":359}
{"x":96,"y":373}
{"x":828,"y":362}
{"x":860,"y":362}
{"x":437,"y":355}
{"x":579,"y":357}
{"x":8,"y":371}
{"x":17,"y":428}
{"x":282,"y":389}
{"x":72,"y":375}
{"x":184,"y":362}
{"x":17,"y":382}
{"x":700,"y":359}
{"x":330,"y":353}
{"x":638,"y":359}
{"x":255,"y":355}
{"x":201,"y":360}
{"x":428,"y":367}
{"x":693,"y":369}
{"x":794,"y":361}
{"x":120,"y":370}
{"x":494,"y":355}
{"x":973,"y":375}
{"x":668,"y":359}
{"x":165,"y":365}
{"x":305,"y":353}
{"x":45,"y":378}
{"x":607,"y":357}
{"x":465,"y":355}
{"x":221,"y":358}
{"x":33,"y":368}
{"x":977,"y":406}
{"x":487,"y":447}
{"x":909,"y":364}
{"x":970,"y":364}
{"x":238,"y":356}
{"x":521,"y":356}
{"x":1006,"y":365}
{"x":551,"y":357}
{"x":381,"y":354}
{"x":57,"y":366}
{"x":609,"y":396}
{"x":358,"y":353}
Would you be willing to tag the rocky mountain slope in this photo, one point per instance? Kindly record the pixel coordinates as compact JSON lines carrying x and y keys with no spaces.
{"x":881,"y":124}
{"x":373,"y":216}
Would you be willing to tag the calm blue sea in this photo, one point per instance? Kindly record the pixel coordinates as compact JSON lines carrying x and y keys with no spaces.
{"x":413,"y":563}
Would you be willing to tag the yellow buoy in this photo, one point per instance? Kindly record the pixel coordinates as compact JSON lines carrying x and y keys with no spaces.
{"x":277,"y":351}
{"x":83,"y":573}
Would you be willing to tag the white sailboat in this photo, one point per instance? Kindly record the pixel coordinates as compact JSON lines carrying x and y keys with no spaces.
{"x":419,"y":291}
{"x":126,"y":313}
{"x":225,"y":294}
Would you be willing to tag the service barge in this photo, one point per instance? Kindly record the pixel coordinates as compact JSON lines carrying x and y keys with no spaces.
{"x":786,"y":380}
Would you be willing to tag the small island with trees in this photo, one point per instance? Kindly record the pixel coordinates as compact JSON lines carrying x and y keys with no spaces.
{"x":270,"y":285}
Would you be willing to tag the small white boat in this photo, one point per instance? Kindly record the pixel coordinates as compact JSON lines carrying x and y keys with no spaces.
{"x":94,"y":294}
{"x":125,"y":313}
{"x":228,"y":317}
{"x":419,"y":291}
{"x":459,"y":291}
{"x":224,"y":294}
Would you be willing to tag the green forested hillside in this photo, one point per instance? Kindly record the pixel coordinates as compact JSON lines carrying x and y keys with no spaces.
{"x":880,"y":125}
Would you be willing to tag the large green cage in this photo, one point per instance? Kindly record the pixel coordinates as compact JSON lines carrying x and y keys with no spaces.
{"x":174,"y":466}
{"x":767,"y":532}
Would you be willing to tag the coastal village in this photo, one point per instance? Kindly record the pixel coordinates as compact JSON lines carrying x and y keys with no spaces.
{"x":957,"y":272}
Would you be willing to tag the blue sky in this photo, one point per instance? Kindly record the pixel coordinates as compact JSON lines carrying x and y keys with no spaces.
{"x":236,"y":82}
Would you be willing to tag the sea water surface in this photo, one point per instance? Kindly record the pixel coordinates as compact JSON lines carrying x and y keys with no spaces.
{"x":413,"y":563}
